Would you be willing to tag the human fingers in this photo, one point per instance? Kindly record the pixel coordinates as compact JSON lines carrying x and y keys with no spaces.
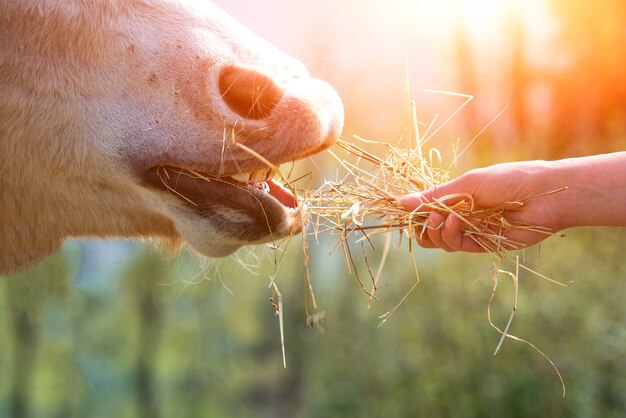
{"x":452,"y":191}
{"x":414,"y":201}
{"x":424,"y":241}
{"x":455,"y":238}
{"x":434,"y":229}
{"x":447,"y":235}
{"x":451,"y":233}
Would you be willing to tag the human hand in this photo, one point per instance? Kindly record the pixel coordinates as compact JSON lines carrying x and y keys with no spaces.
{"x":492,"y":187}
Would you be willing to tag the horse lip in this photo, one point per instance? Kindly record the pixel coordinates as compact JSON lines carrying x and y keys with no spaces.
{"x":237,"y":209}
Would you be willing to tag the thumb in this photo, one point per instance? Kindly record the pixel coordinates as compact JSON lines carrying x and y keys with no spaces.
{"x":416,"y":200}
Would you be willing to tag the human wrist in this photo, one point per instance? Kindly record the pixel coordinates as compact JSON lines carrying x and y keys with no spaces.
{"x":595,"y":190}
{"x":548,"y":177}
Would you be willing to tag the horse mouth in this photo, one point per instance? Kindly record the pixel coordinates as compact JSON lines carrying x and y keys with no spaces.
{"x":251,"y":207}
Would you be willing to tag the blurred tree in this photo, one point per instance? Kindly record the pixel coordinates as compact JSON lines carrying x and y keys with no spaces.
{"x":143,"y":292}
{"x":589,"y":87}
{"x":518,"y":72}
{"x":516,"y":77}
{"x":26,"y":297}
{"x":466,"y":69}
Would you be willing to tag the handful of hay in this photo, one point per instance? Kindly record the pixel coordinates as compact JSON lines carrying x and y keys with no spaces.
{"x":366,"y":200}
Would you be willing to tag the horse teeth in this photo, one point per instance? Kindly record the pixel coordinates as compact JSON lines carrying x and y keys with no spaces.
{"x":255,"y":176}
{"x":259,"y":175}
{"x":243,"y":177}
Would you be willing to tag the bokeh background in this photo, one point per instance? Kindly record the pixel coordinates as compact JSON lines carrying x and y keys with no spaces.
{"x":116,"y":328}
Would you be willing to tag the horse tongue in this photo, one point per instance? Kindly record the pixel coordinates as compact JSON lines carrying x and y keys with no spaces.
{"x":281,"y":194}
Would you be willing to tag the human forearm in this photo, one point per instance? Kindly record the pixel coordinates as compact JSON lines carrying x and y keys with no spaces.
{"x":594,"y":195}
{"x":596,"y":190}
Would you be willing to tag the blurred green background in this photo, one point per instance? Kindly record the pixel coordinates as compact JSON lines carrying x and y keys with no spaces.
{"x":118,"y":328}
{"x":141,"y":335}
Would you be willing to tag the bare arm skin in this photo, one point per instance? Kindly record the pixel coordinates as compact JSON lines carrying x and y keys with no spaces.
{"x":595,"y":196}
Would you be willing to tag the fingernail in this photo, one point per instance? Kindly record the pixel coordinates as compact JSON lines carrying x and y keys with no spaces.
{"x":412,"y":201}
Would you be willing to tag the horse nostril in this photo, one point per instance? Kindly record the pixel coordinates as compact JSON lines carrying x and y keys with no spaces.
{"x":249,"y":93}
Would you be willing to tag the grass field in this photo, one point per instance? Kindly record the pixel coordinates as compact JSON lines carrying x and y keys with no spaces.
{"x":133,"y":334}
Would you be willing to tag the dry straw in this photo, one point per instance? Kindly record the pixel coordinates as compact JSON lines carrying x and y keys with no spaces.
{"x":365,"y":203}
